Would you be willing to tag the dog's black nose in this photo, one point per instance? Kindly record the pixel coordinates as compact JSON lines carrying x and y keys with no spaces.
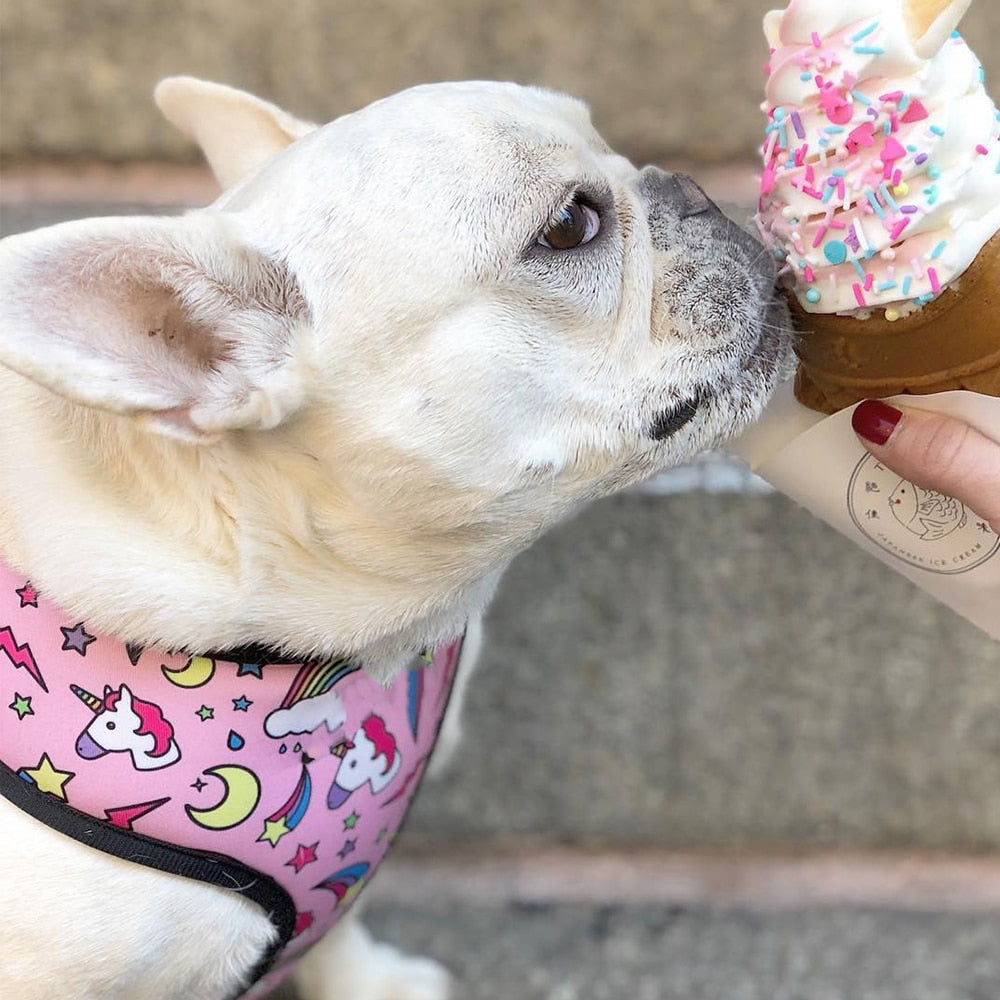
{"x":689,"y":198}
{"x":675,"y":205}
{"x":678,"y":191}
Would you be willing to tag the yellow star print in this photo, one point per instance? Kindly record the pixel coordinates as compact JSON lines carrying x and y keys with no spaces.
{"x":48,"y":778}
{"x":274,"y":830}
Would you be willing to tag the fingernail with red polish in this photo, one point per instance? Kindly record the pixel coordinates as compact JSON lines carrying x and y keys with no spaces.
{"x":875,"y":421}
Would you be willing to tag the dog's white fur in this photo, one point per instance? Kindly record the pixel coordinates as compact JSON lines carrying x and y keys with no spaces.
{"x":325,"y":413}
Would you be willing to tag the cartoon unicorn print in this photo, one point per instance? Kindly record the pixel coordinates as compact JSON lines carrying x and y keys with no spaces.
{"x":371,"y":756}
{"x":126,"y":723}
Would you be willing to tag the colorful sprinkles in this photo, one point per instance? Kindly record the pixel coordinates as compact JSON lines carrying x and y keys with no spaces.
{"x":868,"y":165}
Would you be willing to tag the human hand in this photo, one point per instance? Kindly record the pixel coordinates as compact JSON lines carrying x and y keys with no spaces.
{"x":934,"y":451}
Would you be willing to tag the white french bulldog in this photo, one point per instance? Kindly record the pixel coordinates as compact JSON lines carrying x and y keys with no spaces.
{"x":322,"y":415}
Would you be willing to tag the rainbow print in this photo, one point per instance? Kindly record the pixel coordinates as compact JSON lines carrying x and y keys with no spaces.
{"x":288,"y":817}
{"x":311,"y":700}
{"x":340,"y":883}
{"x":414,"y":698}
{"x":317,"y":678}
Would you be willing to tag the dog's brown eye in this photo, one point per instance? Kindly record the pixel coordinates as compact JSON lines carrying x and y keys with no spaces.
{"x":575,"y":225}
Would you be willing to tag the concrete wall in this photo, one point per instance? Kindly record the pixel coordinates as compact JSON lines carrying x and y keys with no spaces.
{"x":722,"y":671}
{"x":667,"y":79}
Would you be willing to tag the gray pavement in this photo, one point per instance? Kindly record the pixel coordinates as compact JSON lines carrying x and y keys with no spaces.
{"x":672,"y":953}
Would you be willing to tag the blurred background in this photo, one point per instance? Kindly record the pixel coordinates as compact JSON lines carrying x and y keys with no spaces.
{"x":713,"y":751}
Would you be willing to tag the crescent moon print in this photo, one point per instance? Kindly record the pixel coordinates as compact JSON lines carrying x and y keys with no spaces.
{"x":197,"y":671}
{"x":239,"y":801}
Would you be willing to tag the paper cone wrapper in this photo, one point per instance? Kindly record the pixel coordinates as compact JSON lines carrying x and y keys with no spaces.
{"x":951,"y":343}
{"x":936,"y":542}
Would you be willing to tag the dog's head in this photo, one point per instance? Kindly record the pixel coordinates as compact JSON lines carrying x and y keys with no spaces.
{"x":459,"y":303}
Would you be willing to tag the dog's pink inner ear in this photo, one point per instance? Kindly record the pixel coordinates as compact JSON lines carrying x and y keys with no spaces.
{"x":171,"y":327}
{"x":176,"y":328}
{"x":169,"y":317}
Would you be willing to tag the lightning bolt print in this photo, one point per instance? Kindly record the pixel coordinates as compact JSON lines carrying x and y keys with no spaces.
{"x":20,"y":656}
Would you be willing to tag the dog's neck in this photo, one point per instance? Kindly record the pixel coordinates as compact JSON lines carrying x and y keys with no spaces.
{"x":158,"y":542}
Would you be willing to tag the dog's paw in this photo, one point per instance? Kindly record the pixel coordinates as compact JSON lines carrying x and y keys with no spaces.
{"x":408,"y":977}
{"x":350,"y":965}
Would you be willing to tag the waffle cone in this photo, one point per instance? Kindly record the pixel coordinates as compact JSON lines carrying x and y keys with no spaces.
{"x":951,"y":343}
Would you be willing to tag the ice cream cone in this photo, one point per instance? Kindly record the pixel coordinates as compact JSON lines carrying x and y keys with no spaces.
{"x":951,"y":343}
{"x":881,"y":197}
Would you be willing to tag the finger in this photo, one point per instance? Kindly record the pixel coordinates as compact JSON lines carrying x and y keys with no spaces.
{"x":934,"y":451}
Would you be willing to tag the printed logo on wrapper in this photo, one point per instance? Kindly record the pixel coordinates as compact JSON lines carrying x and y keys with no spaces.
{"x":921,"y":527}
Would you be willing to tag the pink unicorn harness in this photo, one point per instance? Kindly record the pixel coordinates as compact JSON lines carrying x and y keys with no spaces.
{"x":284,"y":782}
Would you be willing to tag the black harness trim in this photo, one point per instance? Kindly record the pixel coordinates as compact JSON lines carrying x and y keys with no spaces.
{"x":215,"y":869}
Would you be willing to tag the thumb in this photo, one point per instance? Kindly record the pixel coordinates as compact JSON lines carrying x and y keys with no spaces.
{"x":934,"y":451}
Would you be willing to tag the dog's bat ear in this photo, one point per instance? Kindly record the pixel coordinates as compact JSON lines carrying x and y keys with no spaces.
{"x":236,"y":131}
{"x":173,"y":321}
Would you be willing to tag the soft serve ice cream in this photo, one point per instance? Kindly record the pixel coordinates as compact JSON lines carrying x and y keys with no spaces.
{"x":881,"y":192}
{"x":881,"y":180}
